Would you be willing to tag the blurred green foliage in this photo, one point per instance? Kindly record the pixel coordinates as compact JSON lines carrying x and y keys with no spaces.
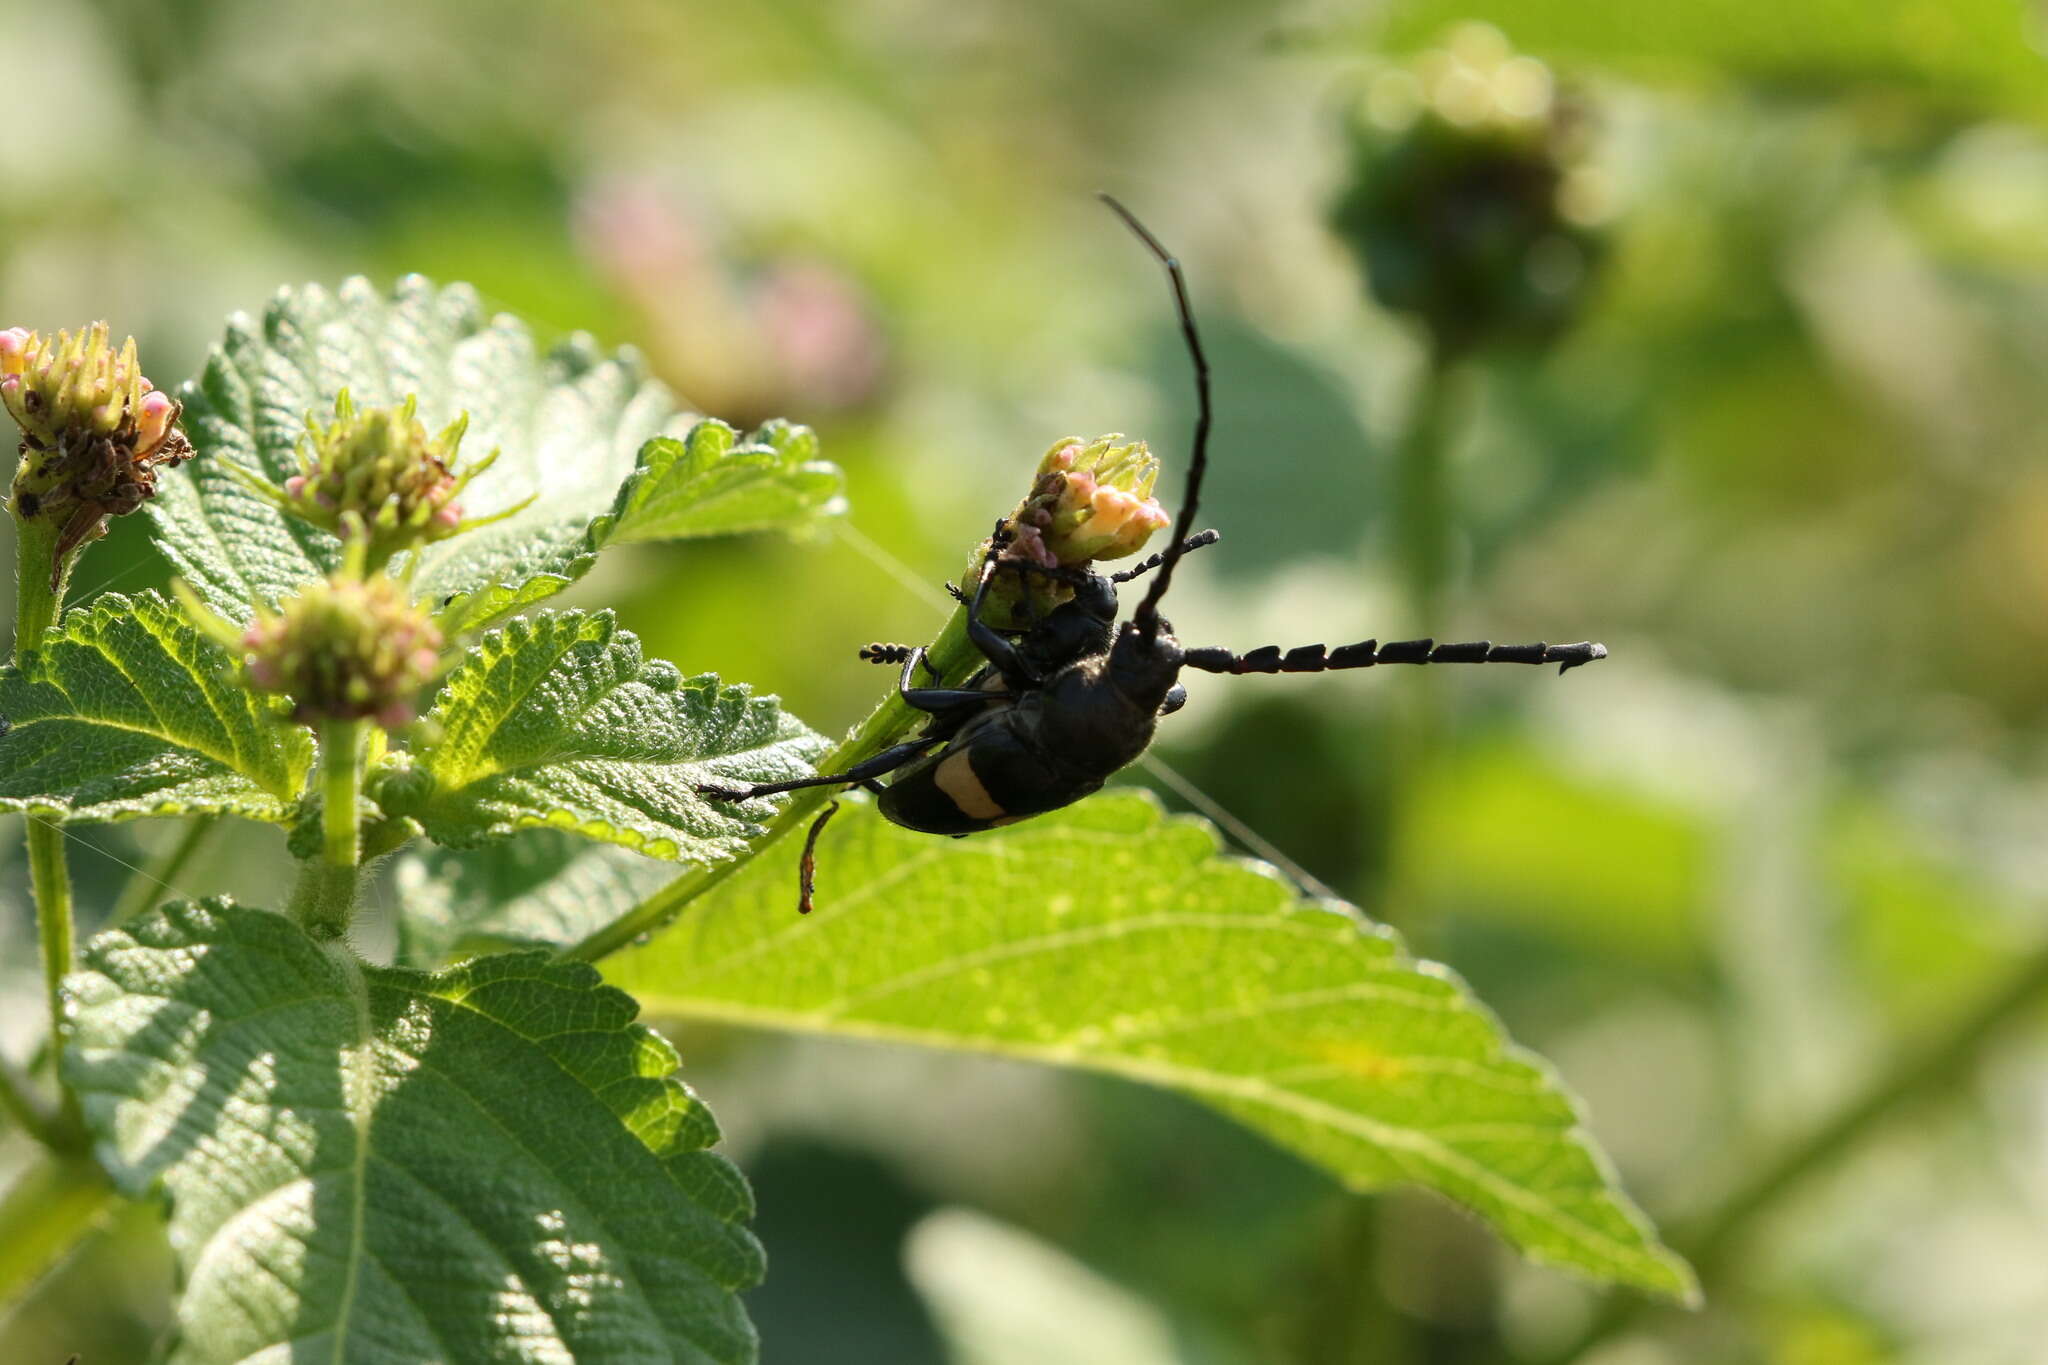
{"x":1787,"y":464}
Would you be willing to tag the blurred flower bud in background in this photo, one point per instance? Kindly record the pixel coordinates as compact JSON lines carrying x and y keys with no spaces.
{"x":794,"y":336}
{"x":1470,"y":201}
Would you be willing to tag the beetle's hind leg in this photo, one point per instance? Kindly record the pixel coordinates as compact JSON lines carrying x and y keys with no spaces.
{"x":887,"y":761}
{"x":807,"y":869}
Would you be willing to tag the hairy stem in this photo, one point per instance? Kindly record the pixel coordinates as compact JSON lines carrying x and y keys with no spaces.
{"x":49,"y":1208}
{"x":324,"y":900}
{"x":39,"y":595}
{"x":1919,"y":1073}
{"x":20,"y":1104}
{"x":52,"y":882}
{"x":163,"y":871}
{"x":341,"y":784}
{"x":953,"y":657}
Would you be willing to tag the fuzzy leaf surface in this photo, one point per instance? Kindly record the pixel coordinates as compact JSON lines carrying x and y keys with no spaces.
{"x":713,"y":484}
{"x":557,"y":721}
{"x":489,"y":1163}
{"x":126,"y":710}
{"x":569,"y":425}
{"x":1106,"y":937}
{"x":544,"y":888}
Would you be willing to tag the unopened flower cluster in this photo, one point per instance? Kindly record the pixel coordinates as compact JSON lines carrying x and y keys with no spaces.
{"x":94,"y":431}
{"x":375,"y":474}
{"x":345,"y":648}
{"x":1091,"y":500}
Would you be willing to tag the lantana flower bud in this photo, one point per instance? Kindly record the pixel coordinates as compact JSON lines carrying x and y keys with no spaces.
{"x":1093,"y":500}
{"x":374,"y":475}
{"x":1089,"y":500}
{"x":345,"y":648}
{"x":94,"y":432}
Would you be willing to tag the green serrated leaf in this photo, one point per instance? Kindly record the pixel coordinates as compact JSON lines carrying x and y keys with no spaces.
{"x":557,"y":721}
{"x":569,"y":425}
{"x":712,"y":484}
{"x":574,"y":428}
{"x":128,"y":710}
{"x":1106,"y":937}
{"x":542,"y":889}
{"x":488,"y":1163}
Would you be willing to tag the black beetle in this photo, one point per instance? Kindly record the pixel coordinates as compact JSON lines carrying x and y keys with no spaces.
{"x":1076,"y":696}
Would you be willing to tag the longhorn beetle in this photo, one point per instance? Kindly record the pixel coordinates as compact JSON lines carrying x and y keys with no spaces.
{"x":1075,"y":696}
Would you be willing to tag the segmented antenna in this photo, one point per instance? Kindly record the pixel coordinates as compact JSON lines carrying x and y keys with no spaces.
{"x":1370,"y":653}
{"x":1147,"y":615}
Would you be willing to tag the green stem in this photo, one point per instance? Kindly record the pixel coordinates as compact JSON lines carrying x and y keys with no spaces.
{"x":1919,"y":1073}
{"x":323,"y":902}
{"x":341,"y":784}
{"x":163,"y":871}
{"x":950,"y":654}
{"x":20,"y":1103}
{"x":1422,"y":504}
{"x":39,"y":596}
{"x":52,"y":882}
{"x":48,"y":1209}
{"x":1422,"y":543}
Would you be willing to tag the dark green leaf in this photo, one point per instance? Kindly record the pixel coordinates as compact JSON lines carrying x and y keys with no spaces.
{"x":127,"y":710}
{"x":543,"y":888}
{"x":557,"y":721}
{"x":372,"y":1164}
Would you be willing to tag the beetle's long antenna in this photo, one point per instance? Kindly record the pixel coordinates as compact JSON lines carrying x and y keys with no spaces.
{"x":1147,"y":616}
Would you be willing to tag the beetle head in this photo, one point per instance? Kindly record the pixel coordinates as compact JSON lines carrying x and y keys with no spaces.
{"x":1144,"y":666}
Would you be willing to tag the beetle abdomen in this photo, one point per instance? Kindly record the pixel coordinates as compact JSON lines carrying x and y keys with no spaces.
{"x":985,"y":777}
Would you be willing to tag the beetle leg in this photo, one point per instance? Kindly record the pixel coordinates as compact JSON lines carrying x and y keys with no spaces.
{"x":807,"y":870}
{"x":1019,"y":675}
{"x":887,"y":761}
{"x":937,"y":698}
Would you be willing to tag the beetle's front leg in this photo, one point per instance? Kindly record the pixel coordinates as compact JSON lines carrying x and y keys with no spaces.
{"x":937,"y":698}
{"x":1017,"y":674}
